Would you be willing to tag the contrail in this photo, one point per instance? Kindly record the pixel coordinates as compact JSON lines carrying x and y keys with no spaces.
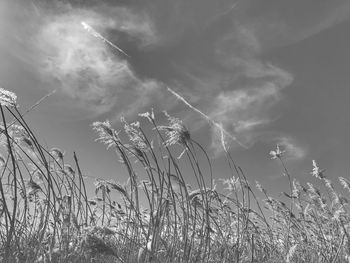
{"x":217,"y":125}
{"x":219,"y":16}
{"x":93,"y":32}
{"x":35,"y":8}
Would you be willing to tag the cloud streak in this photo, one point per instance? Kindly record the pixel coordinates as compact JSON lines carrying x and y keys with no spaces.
{"x":293,"y":150}
{"x":94,"y":33}
{"x":224,"y":134}
{"x":276,"y":24}
{"x":245,"y":95}
{"x":216,"y":48}
{"x":100,"y":81}
{"x":88,"y":71}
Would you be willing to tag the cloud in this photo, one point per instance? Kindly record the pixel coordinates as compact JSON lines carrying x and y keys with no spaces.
{"x":96,"y":77}
{"x":232,"y":82}
{"x":275,"y":23}
{"x":175,"y":21}
{"x":216,"y":50}
{"x":293,"y":150}
{"x":91,"y":78}
{"x":244,"y":111}
{"x":136,"y":24}
{"x":246,"y":94}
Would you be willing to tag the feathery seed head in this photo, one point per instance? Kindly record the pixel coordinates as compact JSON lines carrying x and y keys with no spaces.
{"x":57,"y":153}
{"x":149,"y":116}
{"x":345,"y":183}
{"x":343,"y":200}
{"x":17,"y":130}
{"x":37,"y":174}
{"x":28,"y":142}
{"x":176,"y":132}
{"x":233,"y":184}
{"x":7,"y":98}
{"x":296,"y":189}
{"x":135,"y":135}
{"x":33,"y":187}
{"x":69,"y":169}
{"x":277,"y":153}
{"x":92,"y":202}
{"x":106,"y":134}
{"x":316,"y":171}
{"x":259,"y":187}
{"x":21,"y":136}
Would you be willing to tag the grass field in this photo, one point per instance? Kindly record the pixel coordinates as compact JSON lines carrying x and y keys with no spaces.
{"x":47,"y":214}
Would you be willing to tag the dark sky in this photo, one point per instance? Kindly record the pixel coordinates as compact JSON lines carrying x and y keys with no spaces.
{"x":269,"y":72}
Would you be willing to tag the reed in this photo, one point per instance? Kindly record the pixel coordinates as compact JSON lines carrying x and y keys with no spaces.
{"x":48,"y":215}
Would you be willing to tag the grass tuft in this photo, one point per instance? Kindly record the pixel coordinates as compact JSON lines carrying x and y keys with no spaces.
{"x":47,"y":215}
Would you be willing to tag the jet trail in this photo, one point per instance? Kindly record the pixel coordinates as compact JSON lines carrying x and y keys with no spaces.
{"x":217,"y":125}
{"x":93,"y":32}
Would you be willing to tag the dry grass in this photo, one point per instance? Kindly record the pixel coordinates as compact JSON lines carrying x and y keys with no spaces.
{"x":47,"y":216}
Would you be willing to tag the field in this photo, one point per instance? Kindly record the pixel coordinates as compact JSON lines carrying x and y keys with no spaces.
{"x":47,"y":214}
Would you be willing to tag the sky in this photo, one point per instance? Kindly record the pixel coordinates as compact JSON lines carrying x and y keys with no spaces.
{"x":270,"y":72}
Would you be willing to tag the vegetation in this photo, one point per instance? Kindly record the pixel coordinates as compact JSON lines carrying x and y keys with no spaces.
{"x":46,"y":214}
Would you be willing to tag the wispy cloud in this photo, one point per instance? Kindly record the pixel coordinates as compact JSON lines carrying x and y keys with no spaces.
{"x":88,"y":71}
{"x":276,"y":24}
{"x":245,"y":95}
{"x":244,"y":111}
{"x":293,"y":149}
{"x":217,"y":49}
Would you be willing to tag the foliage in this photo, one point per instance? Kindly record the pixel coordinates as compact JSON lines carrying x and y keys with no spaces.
{"x":47,"y":216}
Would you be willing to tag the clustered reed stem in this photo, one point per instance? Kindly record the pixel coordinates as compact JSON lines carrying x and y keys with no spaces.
{"x":46,"y":214}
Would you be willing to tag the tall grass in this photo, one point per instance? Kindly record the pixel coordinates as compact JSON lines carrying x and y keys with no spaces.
{"x":47,"y":214}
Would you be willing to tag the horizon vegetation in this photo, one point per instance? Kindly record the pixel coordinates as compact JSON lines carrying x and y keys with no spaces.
{"x":47,"y":214}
